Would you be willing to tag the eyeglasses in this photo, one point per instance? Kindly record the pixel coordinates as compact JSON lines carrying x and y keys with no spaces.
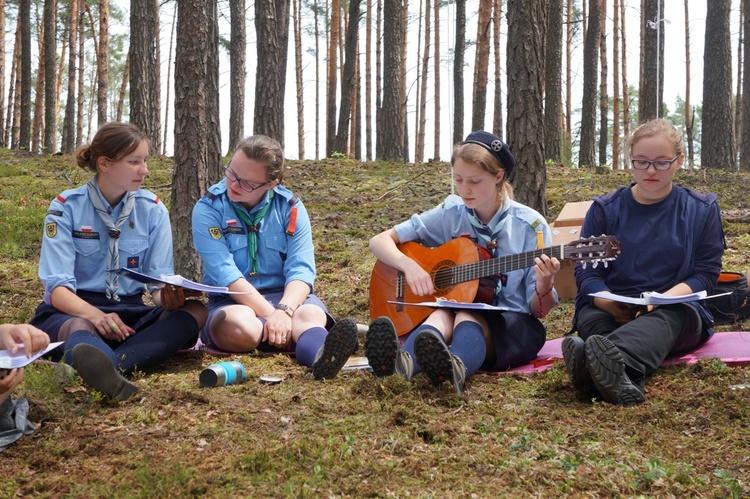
{"x":661,"y":165}
{"x":244,"y":184}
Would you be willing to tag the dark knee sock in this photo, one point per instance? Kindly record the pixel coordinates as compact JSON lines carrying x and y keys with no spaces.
{"x":308,"y":344}
{"x":88,"y":338}
{"x":155,"y":344}
{"x":469,"y":346}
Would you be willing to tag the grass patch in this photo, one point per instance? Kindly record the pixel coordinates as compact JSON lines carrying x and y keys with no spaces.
{"x":356,"y":435}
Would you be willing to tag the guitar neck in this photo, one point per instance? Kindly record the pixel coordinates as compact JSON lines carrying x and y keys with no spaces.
{"x":501,"y":265}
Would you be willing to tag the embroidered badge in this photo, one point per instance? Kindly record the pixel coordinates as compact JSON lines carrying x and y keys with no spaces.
{"x":56,"y":213}
{"x":232,"y":222}
{"x":133,"y":262}
{"x":233,"y":230}
{"x":215,"y":232}
{"x":85,"y":234}
{"x":51,"y":229}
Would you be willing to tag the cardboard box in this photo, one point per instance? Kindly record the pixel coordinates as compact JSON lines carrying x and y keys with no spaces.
{"x":567,"y":228}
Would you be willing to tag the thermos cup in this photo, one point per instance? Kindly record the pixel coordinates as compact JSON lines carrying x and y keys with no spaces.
{"x":223,"y":373}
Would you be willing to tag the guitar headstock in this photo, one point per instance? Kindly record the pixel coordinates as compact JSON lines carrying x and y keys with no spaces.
{"x":594,"y":249}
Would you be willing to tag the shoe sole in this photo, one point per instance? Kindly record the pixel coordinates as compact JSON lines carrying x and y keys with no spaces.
{"x":97,"y":370}
{"x":574,"y":353}
{"x":607,"y":369}
{"x":381,"y":347}
{"x":339,"y":344}
{"x":434,"y":357}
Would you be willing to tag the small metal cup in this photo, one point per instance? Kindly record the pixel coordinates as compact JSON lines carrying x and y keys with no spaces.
{"x":222,"y":374}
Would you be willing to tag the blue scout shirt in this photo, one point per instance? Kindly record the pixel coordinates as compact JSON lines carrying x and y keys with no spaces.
{"x":450,"y":220}
{"x":75,"y":243}
{"x":220,"y":237}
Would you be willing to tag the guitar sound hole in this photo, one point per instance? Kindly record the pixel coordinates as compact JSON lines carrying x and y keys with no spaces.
{"x":442,"y":277}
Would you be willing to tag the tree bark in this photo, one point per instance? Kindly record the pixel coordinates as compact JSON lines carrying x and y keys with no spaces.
{"x":348,"y":83}
{"x":651,"y":92}
{"x":297,"y":7}
{"x":102,"y":56}
{"x":392,"y":122}
{"x":688,"y":107}
{"x":717,"y":144}
{"x":419,"y":154}
{"x":603,"y":97}
{"x":481,"y":64}
{"x":24,"y":25}
{"x":553,"y":82}
{"x":436,"y":153}
{"x":587,"y":148}
{"x":237,"y":72}
{"x":526,"y":21}
{"x":69,"y":123}
{"x":144,"y":91}
{"x":194,"y":128}
{"x":458,"y":72}
{"x":2,"y":73}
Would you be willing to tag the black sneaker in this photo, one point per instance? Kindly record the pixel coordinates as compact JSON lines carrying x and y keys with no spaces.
{"x":607,"y":369}
{"x":437,"y":361}
{"x":339,"y":344}
{"x":97,"y":370}
{"x":574,"y":353}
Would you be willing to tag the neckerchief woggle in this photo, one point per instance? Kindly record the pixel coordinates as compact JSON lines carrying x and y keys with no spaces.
{"x":114,"y":226}
{"x":252,"y":230}
{"x":489,"y":234}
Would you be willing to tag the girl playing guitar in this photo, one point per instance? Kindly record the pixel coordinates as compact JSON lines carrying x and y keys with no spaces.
{"x":450,"y":345}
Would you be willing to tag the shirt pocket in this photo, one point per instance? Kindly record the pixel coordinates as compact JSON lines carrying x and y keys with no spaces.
{"x":276,"y":242}
{"x":86,"y":247}
{"x":132,"y":247}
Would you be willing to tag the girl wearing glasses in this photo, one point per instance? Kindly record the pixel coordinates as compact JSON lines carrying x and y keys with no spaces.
{"x":672,"y":242}
{"x":254,"y":237}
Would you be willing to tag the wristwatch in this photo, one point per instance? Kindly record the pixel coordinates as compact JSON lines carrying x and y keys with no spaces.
{"x":286,"y":308}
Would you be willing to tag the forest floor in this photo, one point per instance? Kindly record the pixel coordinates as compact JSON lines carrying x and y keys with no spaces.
{"x":356,"y":435}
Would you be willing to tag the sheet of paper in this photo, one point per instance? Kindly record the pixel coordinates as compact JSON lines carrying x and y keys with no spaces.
{"x":10,"y":360}
{"x":175,"y":280}
{"x":456,"y":305}
{"x":652,"y":298}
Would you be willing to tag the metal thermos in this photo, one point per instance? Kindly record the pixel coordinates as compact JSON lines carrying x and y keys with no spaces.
{"x":223,"y":373}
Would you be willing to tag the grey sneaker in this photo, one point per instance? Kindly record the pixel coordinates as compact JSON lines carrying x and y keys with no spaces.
{"x":607,"y":369}
{"x":339,"y":345}
{"x":437,"y":361}
{"x":574,"y":353}
{"x":97,"y":370}
{"x":383,"y":350}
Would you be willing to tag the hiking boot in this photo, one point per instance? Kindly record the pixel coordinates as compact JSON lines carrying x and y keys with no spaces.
{"x":97,"y":370}
{"x":607,"y":370}
{"x":340,"y":343}
{"x":436,"y":360}
{"x":574,"y":353}
{"x":383,"y":350}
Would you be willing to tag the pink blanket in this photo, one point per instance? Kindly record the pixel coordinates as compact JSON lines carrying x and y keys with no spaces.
{"x":733,"y":348}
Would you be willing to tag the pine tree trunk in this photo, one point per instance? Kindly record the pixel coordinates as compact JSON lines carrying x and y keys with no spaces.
{"x":419,"y":155}
{"x":717,"y":143}
{"x":688,"y":107}
{"x":237,"y":57}
{"x":481,"y":64}
{"x":348,"y":82}
{"x":525,"y":62}
{"x":102,"y":57}
{"x":392,"y":125}
{"x":497,"y":106}
{"x":587,"y":149}
{"x":69,"y":124}
{"x":603,"y":97}
{"x":37,"y":129}
{"x":553,"y":82}
{"x":50,"y":73}
{"x":368,"y":82}
{"x":2,"y":73}
{"x":297,"y":17}
{"x":616,"y":163}
{"x":625,"y":88}
{"x":436,"y":153}
{"x":24,"y":21}
{"x":458,"y":72}
{"x":143,"y":99}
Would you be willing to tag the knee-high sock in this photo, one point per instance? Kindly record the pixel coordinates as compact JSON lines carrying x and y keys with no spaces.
{"x":89,"y":338}
{"x":155,"y":344}
{"x":469,"y":346}
{"x":308,"y":344}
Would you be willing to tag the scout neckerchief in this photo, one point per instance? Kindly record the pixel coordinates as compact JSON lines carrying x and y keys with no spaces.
{"x":113,"y":254}
{"x":489,"y":234}
{"x":252,"y":230}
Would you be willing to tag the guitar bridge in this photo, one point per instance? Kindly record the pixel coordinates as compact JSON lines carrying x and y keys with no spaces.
{"x":400,"y":291}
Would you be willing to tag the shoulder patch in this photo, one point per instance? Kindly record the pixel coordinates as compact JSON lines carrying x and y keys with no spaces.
{"x":55,"y":213}
{"x":214,"y":232}
{"x":51,"y":229}
{"x":60,"y":198}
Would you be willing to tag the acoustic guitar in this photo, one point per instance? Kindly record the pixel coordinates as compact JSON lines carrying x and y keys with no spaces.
{"x":465,"y":272}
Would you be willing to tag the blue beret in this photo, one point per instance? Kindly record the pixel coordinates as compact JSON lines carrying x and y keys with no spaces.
{"x":494,"y":145}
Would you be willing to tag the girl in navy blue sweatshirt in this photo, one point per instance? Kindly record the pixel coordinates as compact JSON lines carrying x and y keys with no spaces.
{"x":672,"y":242}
